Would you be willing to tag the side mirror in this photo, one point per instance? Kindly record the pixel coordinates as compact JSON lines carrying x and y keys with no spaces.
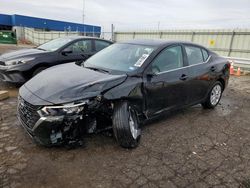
{"x":66,"y":52}
{"x":150,"y":74}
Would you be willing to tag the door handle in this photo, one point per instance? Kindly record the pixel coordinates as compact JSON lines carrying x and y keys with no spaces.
{"x":213,"y":68}
{"x":183,"y":77}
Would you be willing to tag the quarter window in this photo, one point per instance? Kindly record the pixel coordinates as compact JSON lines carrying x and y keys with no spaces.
{"x":99,"y":45}
{"x":194,"y":55}
{"x":205,"y":55}
{"x":169,"y":59}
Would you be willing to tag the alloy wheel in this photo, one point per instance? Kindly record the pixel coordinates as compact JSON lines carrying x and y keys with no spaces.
{"x":215,"y":94}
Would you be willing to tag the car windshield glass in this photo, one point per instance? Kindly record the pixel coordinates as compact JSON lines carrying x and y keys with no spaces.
{"x":120,"y":57}
{"x":54,"y":44}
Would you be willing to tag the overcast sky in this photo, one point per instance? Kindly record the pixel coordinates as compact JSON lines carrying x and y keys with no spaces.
{"x":139,"y":14}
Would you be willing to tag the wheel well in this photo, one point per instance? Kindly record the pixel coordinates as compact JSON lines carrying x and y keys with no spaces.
{"x":222,"y":82}
{"x":39,"y":65}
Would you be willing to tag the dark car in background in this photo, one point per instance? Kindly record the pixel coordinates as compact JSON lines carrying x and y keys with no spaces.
{"x":119,"y":88}
{"x":19,"y":66}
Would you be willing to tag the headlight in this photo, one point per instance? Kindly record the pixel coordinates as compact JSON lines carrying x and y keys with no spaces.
{"x":18,"y":61}
{"x":66,"y":109}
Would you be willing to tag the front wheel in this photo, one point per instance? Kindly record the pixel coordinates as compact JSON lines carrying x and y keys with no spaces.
{"x":125,"y":125}
{"x":214,"y":96}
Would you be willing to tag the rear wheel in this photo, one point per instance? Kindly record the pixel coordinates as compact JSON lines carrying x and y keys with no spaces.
{"x":214,"y":96}
{"x":125,"y":125}
{"x":38,"y":70}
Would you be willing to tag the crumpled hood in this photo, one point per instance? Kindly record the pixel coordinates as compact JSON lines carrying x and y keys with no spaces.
{"x":70,"y":82}
{"x":20,"y":54}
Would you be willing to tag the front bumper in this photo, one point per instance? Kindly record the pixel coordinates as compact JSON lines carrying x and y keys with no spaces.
{"x":46,"y":131}
{"x":11,"y":76}
{"x":53,"y":129}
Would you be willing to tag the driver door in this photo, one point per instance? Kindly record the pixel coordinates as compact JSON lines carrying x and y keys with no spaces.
{"x":165,"y":81}
{"x":78,"y":51}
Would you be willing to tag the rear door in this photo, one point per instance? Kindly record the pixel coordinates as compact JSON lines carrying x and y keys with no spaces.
{"x":165,"y":81}
{"x":199,"y":72}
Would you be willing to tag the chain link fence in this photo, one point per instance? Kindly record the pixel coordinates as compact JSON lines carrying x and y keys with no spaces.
{"x":32,"y":36}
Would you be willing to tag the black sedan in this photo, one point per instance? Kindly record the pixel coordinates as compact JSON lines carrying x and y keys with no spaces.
{"x":120,"y":88}
{"x":19,"y":66}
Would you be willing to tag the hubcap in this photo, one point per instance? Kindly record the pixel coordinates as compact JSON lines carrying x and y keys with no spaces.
{"x":135,"y":131}
{"x":215,"y":95}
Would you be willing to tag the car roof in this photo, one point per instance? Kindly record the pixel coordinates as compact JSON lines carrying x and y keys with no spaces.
{"x":85,"y":37}
{"x":158,"y":42}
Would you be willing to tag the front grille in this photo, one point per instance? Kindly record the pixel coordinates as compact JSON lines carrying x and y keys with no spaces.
{"x":27,"y":113}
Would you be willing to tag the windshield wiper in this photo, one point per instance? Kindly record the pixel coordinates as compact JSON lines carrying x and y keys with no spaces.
{"x":97,"y":69}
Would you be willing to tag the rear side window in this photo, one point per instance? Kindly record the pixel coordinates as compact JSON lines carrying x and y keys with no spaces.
{"x":205,"y":54}
{"x":99,"y":45}
{"x":194,"y":55}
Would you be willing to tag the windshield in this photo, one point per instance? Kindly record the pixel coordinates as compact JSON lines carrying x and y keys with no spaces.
{"x":120,"y":57}
{"x":54,"y":44}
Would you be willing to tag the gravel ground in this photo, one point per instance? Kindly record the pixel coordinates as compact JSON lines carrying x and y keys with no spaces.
{"x":188,"y":148}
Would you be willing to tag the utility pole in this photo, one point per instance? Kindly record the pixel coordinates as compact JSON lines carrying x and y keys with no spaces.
{"x":83,"y":12}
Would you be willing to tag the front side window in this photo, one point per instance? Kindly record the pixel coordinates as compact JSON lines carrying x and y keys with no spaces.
{"x":99,"y":45}
{"x":83,"y":46}
{"x":169,"y":59}
{"x":194,"y":55}
{"x":120,"y":57}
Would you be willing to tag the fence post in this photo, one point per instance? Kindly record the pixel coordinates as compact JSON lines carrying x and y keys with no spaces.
{"x":33,"y":37}
{"x":133,"y":35}
{"x":231,"y":43}
{"x":161,"y":34}
{"x":192,"y":36}
{"x":40,"y":38}
{"x":112,"y":32}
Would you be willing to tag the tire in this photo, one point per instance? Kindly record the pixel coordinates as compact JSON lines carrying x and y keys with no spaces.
{"x":214,"y":96}
{"x":125,"y":125}
{"x":38,"y":70}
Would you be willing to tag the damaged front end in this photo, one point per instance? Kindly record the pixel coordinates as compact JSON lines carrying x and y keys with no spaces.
{"x":65,"y":124}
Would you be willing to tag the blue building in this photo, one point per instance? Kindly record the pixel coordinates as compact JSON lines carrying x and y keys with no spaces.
{"x":7,"y":22}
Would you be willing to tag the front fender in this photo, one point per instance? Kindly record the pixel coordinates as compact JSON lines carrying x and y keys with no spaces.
{"x":130,"y":90}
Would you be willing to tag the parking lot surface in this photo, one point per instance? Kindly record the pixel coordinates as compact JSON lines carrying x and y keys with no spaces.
{"x":187,"y":148}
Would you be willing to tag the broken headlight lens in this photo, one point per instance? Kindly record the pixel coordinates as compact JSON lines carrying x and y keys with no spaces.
{"x":66,"y":109}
